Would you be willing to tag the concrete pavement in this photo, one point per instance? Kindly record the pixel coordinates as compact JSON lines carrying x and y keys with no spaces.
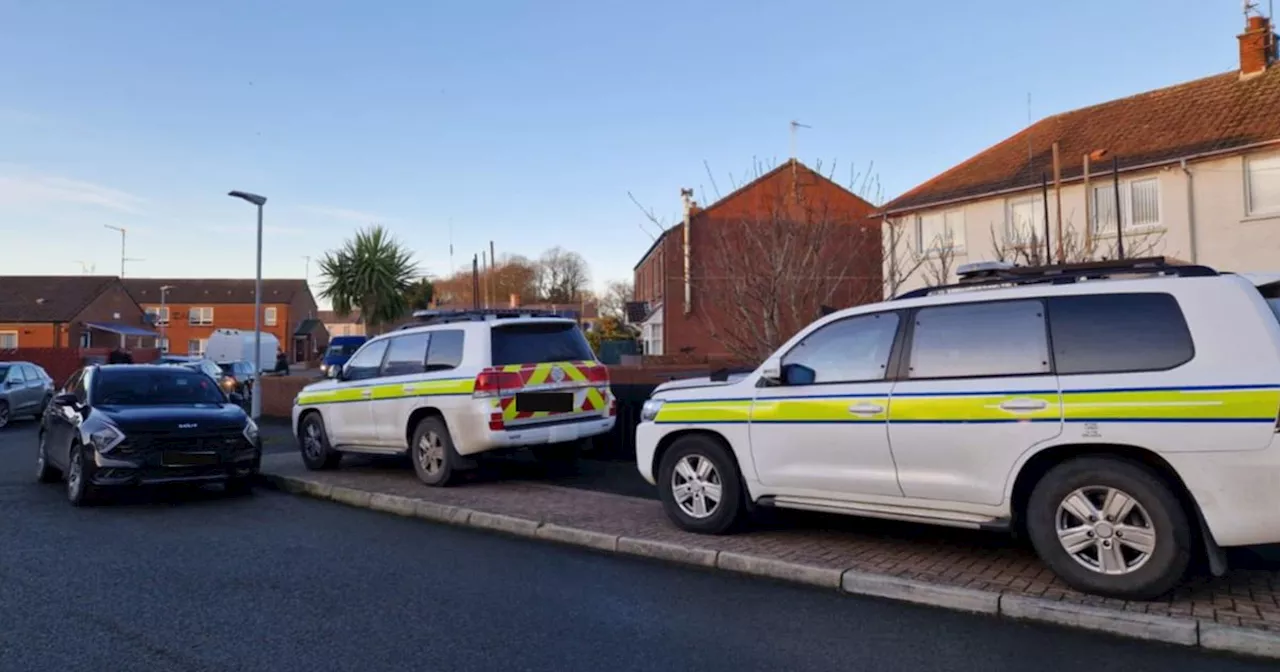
{"x":196,"y":582}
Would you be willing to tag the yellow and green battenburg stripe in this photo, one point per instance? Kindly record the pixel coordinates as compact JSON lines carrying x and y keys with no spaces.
{"x":1194,"y":404}
{"x":421,"y":388}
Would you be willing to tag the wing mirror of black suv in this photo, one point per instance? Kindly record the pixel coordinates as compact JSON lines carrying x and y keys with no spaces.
{"x":66,"y":399}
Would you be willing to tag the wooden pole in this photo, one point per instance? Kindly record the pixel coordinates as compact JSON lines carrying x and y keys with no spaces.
{"x":1088,"y":211}
{"x":1057,"y":195}
{"x":1115,"y":183}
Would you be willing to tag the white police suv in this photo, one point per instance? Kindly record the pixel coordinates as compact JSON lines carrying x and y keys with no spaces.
{"x":456,"y":385}
{"x":1123,"y":415}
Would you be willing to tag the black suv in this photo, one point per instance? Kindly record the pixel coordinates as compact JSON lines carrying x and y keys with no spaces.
{"x":126,"y":425}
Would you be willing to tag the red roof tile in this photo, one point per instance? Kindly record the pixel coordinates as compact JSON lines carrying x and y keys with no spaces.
{"x":1214,"y":114}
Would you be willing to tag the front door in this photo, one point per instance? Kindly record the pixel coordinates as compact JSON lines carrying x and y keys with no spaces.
{"x":17,"y":391}
{"x":976,"y":393}
{"x":350,"y":421}
{"x":823,"y":432}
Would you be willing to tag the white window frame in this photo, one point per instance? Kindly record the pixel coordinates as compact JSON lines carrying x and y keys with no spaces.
{"x":161,"y":314}
{"x":1037,"y":219}
{"x":270,"y":316}
{"x":1273,"y":172}
{"x":86,"y":338}
{"x":196,"y":317}
{"x":203,"y":343}
{"x":952,"y":231}
{"x":14,"y":334}
{"x":1126,"y":207}
{"x":162,"y":344}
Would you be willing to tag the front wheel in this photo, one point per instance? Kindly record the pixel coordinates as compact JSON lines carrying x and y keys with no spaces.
{"x":700,"y":487}
{"x":80,"y":489}
{"x":1110,"y":527}
{"x":313,"y":441}
{"x":4,"y":414}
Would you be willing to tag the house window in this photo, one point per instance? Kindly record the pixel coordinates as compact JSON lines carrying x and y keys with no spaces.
{"x":159,"y":315}
{"x":195,"y":346}
{"x":8,"y":340}
{"x":938,"y":231}
{"x":86,"y":338}
{"x":200,"y":316}
{"x":1024,"y":223}
{"x":269,"y":316}
{"x":1262,"y":184}
{"x":163,"y":344}
{"x":1139,"y":205}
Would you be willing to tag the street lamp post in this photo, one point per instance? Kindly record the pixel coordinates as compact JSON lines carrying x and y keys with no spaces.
{"x":163,"y":319}
{"x":259,"y":201}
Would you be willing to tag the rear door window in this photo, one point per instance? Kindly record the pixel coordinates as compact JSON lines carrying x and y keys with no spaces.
{"x":539,"y":342}
{"x":445,"y":352}
{"x":973,"y":340}
{"x":406,"y":355}
{"x":1118,"y":333}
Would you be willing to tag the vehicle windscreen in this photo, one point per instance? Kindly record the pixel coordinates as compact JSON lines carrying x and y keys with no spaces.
{"x":228,"y":368}
{"x":342,"y":349}
{"x":538,"y":343}
{"x":4,"y":372}
{"x":1271,"y":293}
{"x":154,"y":387}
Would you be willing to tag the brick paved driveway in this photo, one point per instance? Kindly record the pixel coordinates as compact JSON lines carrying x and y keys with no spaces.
{"x":1248,"y":596}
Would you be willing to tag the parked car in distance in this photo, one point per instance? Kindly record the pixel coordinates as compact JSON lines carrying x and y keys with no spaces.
{"x":340,"y":350}
{"x":240,"y":374}
{"x":1123,"y":415}
{"x":455,"y":386}
{"x":127,"y":425}
{"x":25,"y":390}
{"x":231,"y":345}
{"x":208,"y":368}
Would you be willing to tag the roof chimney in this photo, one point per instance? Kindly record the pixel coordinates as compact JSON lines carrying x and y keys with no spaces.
{"x":1257,"y":46}
{"x":515,"y":300}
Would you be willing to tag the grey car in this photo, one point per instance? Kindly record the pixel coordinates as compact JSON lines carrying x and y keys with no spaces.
{"x":25,"y":390}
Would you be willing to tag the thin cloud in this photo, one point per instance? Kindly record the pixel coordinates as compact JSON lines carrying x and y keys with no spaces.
{"x":346,"y":214}
{"x":10,"y":116}
{"x":247,"y":229}
{"x":46,"y":190}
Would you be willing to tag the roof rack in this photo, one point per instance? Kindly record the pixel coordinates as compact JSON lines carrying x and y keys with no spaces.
{"x":992,"y":275}
{"x":429,"y":317}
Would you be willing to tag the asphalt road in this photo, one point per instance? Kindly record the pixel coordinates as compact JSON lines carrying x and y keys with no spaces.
{"x":193,"y":582}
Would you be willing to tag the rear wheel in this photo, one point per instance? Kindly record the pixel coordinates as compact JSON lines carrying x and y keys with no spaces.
{"x":45,"y":473}
{"x":313,"y":441}
{"x":1110,"y":527}
{"x":700,"y":487}
{"x":432,"y":452}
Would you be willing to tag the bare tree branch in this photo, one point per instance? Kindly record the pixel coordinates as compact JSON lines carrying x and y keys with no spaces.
{"x":711,"y":177}
{"x":650,"y":215}
{"x":1028,"y":248}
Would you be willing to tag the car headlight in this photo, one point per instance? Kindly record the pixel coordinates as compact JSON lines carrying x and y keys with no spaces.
{"x":106,"y":439}
{"x":650,"y":410}
{"x":251,"y":430}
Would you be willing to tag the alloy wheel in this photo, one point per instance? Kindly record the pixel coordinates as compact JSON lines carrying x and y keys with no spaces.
{"x":696,"y":486}
{"x":431,"y":453}
{"x":4,"y":415}
{"x":1105,"y":530}
{"x":75,"y":474}
{"x":312,"y":443}
{"x":40,"y":459}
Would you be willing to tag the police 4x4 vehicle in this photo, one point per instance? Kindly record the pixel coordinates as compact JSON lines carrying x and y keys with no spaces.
{"x":457,"y":384}
{"x":1123,"y":415}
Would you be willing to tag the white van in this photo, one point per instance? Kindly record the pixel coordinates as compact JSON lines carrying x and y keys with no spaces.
{"x":235,"y":345}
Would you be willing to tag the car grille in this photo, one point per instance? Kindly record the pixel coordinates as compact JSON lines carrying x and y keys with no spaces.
{"x":219,"y":442}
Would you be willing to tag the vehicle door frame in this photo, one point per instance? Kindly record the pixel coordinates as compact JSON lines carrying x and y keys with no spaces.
{"x":350,"y":422}
{"x":396,"y":397}
{"x":19,"y":395}
{"x":937,"y":414}
{"x":35,"y":386}
{"x":858,"y":426}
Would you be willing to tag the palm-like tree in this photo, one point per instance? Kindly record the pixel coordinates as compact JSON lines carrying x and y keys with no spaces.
{"x":370,"y":272}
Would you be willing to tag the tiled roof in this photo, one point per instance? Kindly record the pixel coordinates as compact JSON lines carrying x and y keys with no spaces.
{"x":1214,"y":114}
{"x":48,"y":298}
{"x":196,"y":291}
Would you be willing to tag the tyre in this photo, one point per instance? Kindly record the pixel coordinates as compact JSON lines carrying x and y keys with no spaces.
{"x":313,"y":442}
{"x":432,"y":452}
{"x":700,"y":486}
{"x":4,"y":414}
{"x":80,"y":489}
{"x":1110,"y":527}
{"x":45,"y":472}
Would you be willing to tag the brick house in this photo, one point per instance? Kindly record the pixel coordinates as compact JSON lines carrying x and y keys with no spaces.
{"x":737,"y":278}
{"x":192,"y":308}
{"x":70,"y":311}
{"x":1192,"y":171}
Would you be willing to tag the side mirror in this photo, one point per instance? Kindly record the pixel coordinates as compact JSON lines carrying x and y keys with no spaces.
{"x":66,"y":399}
{"x":798,"y":374}
{"x":334,"y":372}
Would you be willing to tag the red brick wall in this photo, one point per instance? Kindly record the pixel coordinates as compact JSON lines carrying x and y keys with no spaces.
{"x":60,"y":363}
{"x":179,"y":331}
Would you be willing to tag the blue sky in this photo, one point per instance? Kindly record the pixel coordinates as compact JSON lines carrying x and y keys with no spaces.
{"x":522,"y":122}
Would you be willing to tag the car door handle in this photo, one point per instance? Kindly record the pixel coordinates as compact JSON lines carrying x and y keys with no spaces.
{"x":366,"y":393}
{"x":866,"y":408}
{"x":1024,"y":405}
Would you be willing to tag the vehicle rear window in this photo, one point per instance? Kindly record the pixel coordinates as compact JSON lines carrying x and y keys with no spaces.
{"x":154,"y":386}
{"x":1118,"y":333}
{"x":539,"y":342}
